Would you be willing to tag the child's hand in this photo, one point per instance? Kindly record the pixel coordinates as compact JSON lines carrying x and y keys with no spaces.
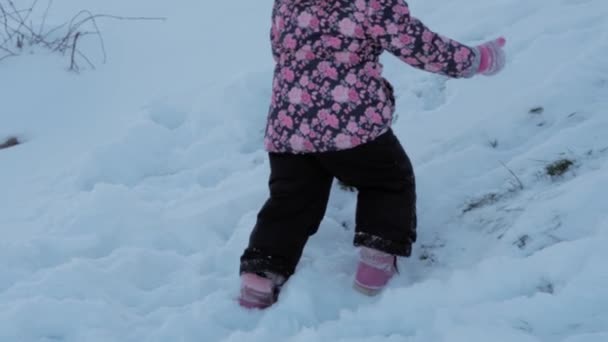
{"x":492,"y":57}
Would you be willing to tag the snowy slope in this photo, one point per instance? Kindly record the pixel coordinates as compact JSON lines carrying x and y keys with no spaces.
{"x":124,"y":213}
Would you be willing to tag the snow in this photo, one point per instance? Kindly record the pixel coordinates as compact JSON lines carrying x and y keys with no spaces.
{"x":125,"y":211}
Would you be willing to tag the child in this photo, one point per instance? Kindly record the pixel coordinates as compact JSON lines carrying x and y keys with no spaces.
{"x":330,"y":116}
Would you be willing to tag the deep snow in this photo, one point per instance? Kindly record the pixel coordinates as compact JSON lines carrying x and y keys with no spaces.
{"x":125,"y":211}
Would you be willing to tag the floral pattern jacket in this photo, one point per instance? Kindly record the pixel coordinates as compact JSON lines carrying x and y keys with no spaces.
{"x":328,"y":91}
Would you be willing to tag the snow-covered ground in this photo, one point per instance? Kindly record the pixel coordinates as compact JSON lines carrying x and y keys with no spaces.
{"x":124,"y":213}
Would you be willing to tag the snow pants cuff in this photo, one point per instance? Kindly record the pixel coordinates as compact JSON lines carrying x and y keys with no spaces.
{"x":399,"y":248}
{"x":255,"y":261}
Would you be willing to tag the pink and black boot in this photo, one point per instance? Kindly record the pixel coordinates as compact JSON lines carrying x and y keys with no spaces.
{"x":374,"y":271}
{"x":259,"y":291}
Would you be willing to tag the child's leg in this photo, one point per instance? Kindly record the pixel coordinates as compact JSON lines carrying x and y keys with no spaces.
{"x":299,"y":191}
{"x":384,"y":177}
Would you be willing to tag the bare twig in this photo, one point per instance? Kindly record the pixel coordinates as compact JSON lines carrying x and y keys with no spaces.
{"x":17,"y":32}
{"x":519,"y":182}
{"x":73,"y":64}
{"x":44,"y":17}
{"x":86,"y":59}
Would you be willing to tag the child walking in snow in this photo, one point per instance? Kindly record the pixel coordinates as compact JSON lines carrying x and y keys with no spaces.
{"x":330,"y":117}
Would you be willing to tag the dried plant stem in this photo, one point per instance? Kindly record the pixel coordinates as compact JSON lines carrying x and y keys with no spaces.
{"x":17,"y":32}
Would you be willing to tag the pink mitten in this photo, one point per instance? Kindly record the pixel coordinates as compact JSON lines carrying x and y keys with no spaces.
{"x":492,"y":57}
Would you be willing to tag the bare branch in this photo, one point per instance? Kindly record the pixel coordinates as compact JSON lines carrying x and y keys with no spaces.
{"x":44,"y":17}
{"x":73,"y":64}
{"x":17,"y":31}
{"x":519,"y":182}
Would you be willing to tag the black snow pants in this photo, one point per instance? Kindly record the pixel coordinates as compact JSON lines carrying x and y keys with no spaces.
{"x":300,"y":186}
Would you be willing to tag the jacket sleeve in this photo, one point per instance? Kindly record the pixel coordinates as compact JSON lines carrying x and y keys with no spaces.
{"x":406,"y":37}
{"x":275,"y":32}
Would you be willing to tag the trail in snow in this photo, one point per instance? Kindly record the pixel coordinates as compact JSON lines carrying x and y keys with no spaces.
{"x":125,"y":211}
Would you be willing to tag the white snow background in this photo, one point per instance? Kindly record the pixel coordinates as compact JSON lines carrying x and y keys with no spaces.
{"x":124,"y":212}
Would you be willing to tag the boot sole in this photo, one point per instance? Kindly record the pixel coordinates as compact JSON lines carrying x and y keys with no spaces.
{"x":253,"y":299}
{"x":366,"y":290}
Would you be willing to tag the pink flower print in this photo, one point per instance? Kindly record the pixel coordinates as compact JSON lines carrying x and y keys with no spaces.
{"x":373,"y":116}
{"x":411,"y":61}
{"x":352,"y":127}
{"x":332,"y":121}
{"x":308,"y":145}
{"x":306,"y":99}
{"x":392,"y":28}
{"x":359,"y":33}
{"x":462,"y":55}
{"x":323,"y":114}
{"x":432,"y":67}
{"x":334,"y":42}
{"x":289,"y":42}
{"x":405,"y":39}
{"x":402,"y":10}
{"x":288,"y":74}
{"x":336,"y":107}
{"x":304,"y":19}
{"x":427,"y":36}
{"x":361,"y":6}
{"x":270,"y":131}
{"x":285,"y":120}
{"x":406,"y":52}
{"x":283,"y":138}
{"x":343,"y":141}
{"x":331,"y":73}
{"x":301,"y":55}
{"x":314,"y":22}
{"x":296,"y":142}
{"x":305,"y":53}
{"x":387,"y":112}
{"x":295,"y":95}
{"x":375,"y":5}
{"x":396,"y":42}
{"x":304,"y":81}
{"x":355,"y":141}
{"x":323,"y":66}
{"x":347,"y":27}
{"x":351,"y":79}
{"x":353,"y":96}
{"x":370,"y":70}
{"x":305,"y":129}
{"x":353,"y":47}
{"x":360,"y":17}
{"x":343,"y":57}
{"x":377,"y":31}
{"x":340,"y":94}
{"x":381,"y":95}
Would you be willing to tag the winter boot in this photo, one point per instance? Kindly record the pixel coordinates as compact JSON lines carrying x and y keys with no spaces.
{"x":374,"y":271}
{"x":259,"y":291}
